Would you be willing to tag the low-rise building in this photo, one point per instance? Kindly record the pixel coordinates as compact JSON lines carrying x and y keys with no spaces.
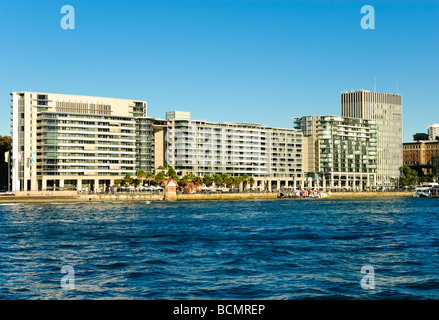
{"x":420,"y":154}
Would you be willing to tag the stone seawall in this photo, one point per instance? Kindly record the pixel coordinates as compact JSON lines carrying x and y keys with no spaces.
{"x":371,"y":194}
{"x":121,"y":197}
{"x":226,"y":196}
{"x":45,"y":193}
{"x":81,"y":198}
{"x":37,"y":199}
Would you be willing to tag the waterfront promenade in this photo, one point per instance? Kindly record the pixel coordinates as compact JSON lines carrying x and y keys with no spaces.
{"x":66,"y":196}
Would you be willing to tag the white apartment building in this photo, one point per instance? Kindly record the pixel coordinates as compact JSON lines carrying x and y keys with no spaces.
{"x":433,"y":132}
{"x":268,"y":154}
{"x":69,"y":141}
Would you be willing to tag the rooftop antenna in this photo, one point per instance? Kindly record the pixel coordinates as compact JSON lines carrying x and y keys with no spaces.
{"x":375,"y":84}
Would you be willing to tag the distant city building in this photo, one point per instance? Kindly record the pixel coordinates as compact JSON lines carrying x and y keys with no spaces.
{"x":69,"y":141}
{"x":419,"y":155}
{"x":433,"y":132}
{"x":62,"y":141}
{"x":340,"y":152}
{"x":420,"y":137}
{"x":386,"y":110}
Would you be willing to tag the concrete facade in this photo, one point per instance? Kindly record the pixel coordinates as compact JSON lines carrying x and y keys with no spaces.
{"x":72,"y":142}
{"x":341,"y":152}
{"x":420,"y":155}
{"x":386,"y":110}
{"x":203,"y":147}
{"x":149,"y":143}
{"x":433,"y":132}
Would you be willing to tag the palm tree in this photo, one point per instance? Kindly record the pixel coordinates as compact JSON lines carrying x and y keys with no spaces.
{"x":197,"y":180}
{"x":217,"y":179}
{"x":184,"y":180}
{"x":251,"y":181}
{"x":136,"y":182}
{"x":245,"y":178}
{"x":118,"y":182}
{"x":159,"y":177}
{"x":141,"y":175}
{"x":229,"y":180}
{"x":172,"y":174}
{"x":234,"y":181}
{"x":226,"y":178}
{"x":207,"y":180}
{"x":149,"y":177}
{"x":239,"y":180}
{"x":127,"y":179}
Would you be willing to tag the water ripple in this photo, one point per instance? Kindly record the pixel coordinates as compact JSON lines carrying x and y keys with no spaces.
{"x":288,"y":249}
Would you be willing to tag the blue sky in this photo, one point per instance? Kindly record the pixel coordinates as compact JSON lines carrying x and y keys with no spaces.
{"x":244,"y":61}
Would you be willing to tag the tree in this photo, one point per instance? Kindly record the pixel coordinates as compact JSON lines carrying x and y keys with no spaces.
{"x":226,"y":179}
{"x":207,"y":180}
{"x":251,"y":181}
{"x":239,"y":180}
{"x":184,"y":180}
{"x":127,"y":179}
{"x":159,"y":177}
{"x":118,"y":182}
{"x":172,"y":174}
{"x":141,"y":174}
{"x":235,"y":181}
{"x":191,"y":177}
{"x":409,"y":176}
{"x":217,"y":179}
{"x":245,"y":178}
{"x":136,"y":182}
{"x":197,"y":180}
{"x":435,"y":166}
{"x":5,"y":145}
{"x":149,"y":177}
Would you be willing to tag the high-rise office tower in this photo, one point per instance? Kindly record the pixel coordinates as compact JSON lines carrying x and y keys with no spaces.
{"x":386,"y":110}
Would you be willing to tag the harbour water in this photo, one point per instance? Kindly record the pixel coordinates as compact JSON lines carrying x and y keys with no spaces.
{"x":240,"y":249}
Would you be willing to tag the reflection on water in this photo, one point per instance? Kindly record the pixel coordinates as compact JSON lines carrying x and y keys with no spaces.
{"x":254,"y":249}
